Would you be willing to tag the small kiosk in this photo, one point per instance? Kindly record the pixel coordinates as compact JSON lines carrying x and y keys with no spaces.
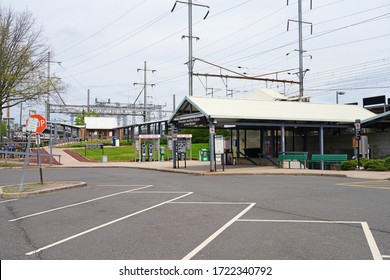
{"x":148,"y":147}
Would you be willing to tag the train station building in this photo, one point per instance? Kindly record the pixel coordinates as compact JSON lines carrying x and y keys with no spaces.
{"x":266,"y":123}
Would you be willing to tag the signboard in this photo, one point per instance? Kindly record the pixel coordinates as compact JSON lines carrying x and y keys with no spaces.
{"x":94,"y":146}
{"x":181,"y":146}
{"x":375,"y":100}
{"x":355,"y":142}
{"x":32,"y":124}
{"x":357,"y":129}
{"x":42,"y":124}
{"x":149,"y":136}
{"x":357,"y":124}
{"x":191,"y":122}
{"x":219,"y":145}
{"x":184,"y":136}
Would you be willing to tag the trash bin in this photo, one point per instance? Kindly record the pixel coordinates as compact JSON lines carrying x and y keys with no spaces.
{"x":203,"y":155}
{"x":104,"y":158}
{"x":113,"y":141}
{"x":116,"y":142}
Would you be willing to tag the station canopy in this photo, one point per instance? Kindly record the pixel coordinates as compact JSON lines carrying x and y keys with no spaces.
{"x":194,"y":111}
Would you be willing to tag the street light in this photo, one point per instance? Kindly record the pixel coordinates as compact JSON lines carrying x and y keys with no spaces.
{"x":337,"y":95}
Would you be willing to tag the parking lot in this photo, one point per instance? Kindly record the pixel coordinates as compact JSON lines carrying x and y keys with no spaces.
{"x":136,"y":214}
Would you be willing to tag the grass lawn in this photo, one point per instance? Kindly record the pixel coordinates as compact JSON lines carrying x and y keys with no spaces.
{"x":127,"y":153}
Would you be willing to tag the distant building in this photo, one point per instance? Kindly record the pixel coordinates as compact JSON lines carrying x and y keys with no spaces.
{"x":98,"y":128}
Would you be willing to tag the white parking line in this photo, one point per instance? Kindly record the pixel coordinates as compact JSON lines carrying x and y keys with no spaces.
{"x":159,"y":192}
{"x":386,"y":257}
{"x":79,"y":203}
{"x":211,"y":202}
{"x":103,"y":225}
{"x":120,"y":185}
{"x":299,"y":221}
{"x":215,"y":234}
{"x":371,"y":242}
{"x":367,"y":232}
{"x":9,"y":200}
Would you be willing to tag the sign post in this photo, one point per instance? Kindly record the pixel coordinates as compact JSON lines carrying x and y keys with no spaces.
{"x":357,"y":136}
{"x":26,"y":159}
{"x":219,"y":149}
{"x":40,"y":126}
{"x":174,"y":146}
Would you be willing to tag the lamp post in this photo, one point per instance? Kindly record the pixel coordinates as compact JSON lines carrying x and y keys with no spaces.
{"x":337,"y":95}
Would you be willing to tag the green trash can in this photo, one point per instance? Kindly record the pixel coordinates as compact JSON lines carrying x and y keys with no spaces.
{"x":203,"y":155}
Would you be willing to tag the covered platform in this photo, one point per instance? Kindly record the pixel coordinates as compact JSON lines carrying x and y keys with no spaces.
{"x":261,"y":128}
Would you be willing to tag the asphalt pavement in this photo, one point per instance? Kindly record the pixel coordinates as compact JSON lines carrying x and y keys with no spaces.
{"x":127,"y":213}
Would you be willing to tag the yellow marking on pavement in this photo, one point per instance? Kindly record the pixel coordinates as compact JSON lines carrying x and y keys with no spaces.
{"x":377,"y":184}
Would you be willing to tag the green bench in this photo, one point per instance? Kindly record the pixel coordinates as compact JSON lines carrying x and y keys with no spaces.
{"x":328,"y":159}
{"x":292,"y":156}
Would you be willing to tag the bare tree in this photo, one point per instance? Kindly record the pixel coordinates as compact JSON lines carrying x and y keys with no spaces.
{"x":23,"y":56}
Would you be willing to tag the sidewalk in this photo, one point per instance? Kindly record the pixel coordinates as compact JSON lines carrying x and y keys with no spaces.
{"x":203,"y":168}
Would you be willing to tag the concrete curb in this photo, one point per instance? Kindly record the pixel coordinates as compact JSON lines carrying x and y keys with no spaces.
{"x":231,"y":173}
{"x":26,"y":194}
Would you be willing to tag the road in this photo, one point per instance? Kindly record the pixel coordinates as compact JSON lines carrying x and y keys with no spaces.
{"x":135,"y":214}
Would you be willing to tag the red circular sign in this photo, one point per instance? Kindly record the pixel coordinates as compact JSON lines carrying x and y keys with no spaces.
{"x":41,"y":122}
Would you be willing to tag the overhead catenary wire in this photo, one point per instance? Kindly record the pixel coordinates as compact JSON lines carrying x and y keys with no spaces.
{"x":103,"y":27}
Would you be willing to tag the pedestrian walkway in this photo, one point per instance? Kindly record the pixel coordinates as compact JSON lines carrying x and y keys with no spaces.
{"x":203,"y":168}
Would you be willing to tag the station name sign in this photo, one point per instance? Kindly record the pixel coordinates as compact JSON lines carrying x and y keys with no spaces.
{"x":94,"y":146}
{"x":195,"y":120}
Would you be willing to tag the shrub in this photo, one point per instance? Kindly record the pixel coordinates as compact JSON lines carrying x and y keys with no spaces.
{"x":349,"y":165}
{"x":375,"y":165}
{"x":363,"y":161}
{"x":387,"y":163}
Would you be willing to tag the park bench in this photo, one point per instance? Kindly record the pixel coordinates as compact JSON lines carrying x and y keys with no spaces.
{"x":328,"y":159}
{"x":289,"y":157}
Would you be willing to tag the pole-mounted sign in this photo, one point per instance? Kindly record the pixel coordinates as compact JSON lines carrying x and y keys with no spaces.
{"x":40,"y":126}
{"x":357,"y":128}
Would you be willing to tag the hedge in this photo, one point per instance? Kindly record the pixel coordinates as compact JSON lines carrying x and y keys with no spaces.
{"x":368,"y":164}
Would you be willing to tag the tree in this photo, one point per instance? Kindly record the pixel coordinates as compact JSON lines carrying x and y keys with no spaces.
{"x":80,"y":119}
{"x":23,"y":56}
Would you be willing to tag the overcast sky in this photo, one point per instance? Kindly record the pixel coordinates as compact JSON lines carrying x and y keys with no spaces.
{"x":101,"y":44}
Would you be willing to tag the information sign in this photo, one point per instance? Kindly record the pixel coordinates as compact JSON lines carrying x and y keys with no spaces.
{"x":41,"y":125}
{"x":219,"y":145}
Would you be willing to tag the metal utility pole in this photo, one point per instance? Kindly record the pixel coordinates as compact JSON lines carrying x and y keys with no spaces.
{"x":145,"y":84}
{"x":48,"y":85}
{"x":88,"y":100}
{"x":190,"y":37}
{"x":301,"y":72}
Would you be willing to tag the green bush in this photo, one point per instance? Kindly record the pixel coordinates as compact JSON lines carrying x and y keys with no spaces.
{"x":363,"y":161}
{"x":375,"y":165}
{"x":349,"y":165}
{"x":387,"y":163}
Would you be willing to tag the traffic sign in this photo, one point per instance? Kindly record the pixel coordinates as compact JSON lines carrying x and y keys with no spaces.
{"x":357,"y":124}
{"x":42,"y":124}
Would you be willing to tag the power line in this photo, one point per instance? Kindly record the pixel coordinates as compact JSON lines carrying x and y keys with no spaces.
{"x":104,"y":27}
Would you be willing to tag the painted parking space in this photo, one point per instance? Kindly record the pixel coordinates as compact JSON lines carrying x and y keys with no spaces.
{"x":154,"y":222}
{"x":295,"y":239}
{"x":165,"y":232}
